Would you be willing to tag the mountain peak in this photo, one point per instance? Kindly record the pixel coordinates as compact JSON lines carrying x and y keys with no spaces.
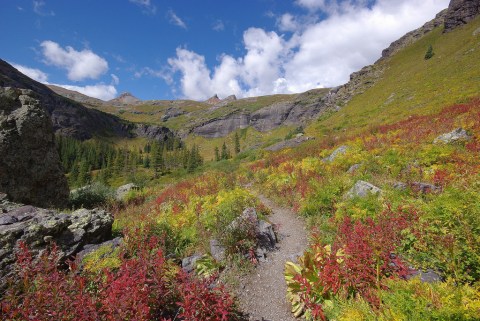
{"x":125,"y":98}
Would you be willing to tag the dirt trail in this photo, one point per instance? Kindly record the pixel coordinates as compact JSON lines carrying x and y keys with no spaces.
{"x":263,"y":294}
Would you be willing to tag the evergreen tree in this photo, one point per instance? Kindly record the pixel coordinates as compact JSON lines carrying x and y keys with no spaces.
{"x":429,"y":54}
{"x":217,"y":154}
{"x":225,"y":152}
{"x":237,"y":144}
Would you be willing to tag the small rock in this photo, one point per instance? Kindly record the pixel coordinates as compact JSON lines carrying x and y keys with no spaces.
{"x":337,"y":152}
{"x":429,"y":276}
{"x":400,"y":186}
{"x":425,"y":188}
{"x":217,"y":250}
{"x":476,"y":32}
{"x":457,"y":135}
{"x":363,"y":189}
{"x":188,"y":263}
{"x":353,"y":168}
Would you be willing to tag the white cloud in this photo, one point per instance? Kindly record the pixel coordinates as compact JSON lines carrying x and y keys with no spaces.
{"x":174,"y":19}
{"x":79,"y":64}
{"x":115,"y":79}
{"x":35,"y":74}
{"x":147,"y":6}
{"x":100,"y":91}
{"x":218,"y":25}
{"x":251,"y":75}
{"x":39,"y":8}
{"x":317,"y":54}
{"x":287,"y":22}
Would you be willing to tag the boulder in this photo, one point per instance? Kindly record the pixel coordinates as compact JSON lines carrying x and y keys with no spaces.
{"x":428,"y":276}
{"x":188,"y":263}
{"x":38,"y":227}
{"x":124,"y":189}
{"x":289,"y":143}
{"x":337,"y":152}
{"x":461,"y":12}
{"x":30,"y":168}
{"x":363,"y":189}
{"x":217,"y":250}
{"x":455,"y":136}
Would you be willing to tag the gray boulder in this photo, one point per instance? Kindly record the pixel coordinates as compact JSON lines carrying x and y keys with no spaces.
{"x":455,"y":136}
{"x":354,"y":168}
{"x":363,"y":189}
{"x":337,"y":152}
{"x":425,"y":188}
{"x":188,"y":263}
{"x":124,"y":189}
{"x":217,"y":250}
{"x":30,"y":169}
{"x":38,"y":227}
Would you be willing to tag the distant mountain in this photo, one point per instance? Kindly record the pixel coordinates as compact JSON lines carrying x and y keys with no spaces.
{"x":75,"y":95}
{"x":125,"y":99}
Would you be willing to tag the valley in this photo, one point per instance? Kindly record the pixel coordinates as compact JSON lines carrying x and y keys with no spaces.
{"x":358,"y":202}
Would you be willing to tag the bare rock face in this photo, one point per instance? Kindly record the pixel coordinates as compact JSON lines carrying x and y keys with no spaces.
{"x":125,"y":99}
{"x":30,"y":169}
{"x":153,"y":132}
{"x":461,"y":12}
{"x":38,"y":227}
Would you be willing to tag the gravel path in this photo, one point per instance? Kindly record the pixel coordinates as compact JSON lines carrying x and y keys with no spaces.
{"x":263,"y":293}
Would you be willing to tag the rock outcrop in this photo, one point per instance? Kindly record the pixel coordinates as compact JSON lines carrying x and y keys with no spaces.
{"x":152,"y":132}
{"x":455,"y":136}
{"x":289,"y":143}
{"x":304,"y":107}
{"x":337,"y":152}
{"x":30,"y":169}
{"x":38,"y":227}
{"x":461,"y":12}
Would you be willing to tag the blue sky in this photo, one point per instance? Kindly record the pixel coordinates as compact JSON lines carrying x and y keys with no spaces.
{"x":194,"y":49}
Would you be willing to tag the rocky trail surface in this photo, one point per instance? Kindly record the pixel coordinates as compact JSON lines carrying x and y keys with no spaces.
{"x":262,"y":295}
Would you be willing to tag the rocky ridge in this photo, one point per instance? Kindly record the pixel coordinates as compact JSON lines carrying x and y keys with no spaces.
{"x":30,"y":169}
{"x":461,"y":12}
{"x":125,"y":99}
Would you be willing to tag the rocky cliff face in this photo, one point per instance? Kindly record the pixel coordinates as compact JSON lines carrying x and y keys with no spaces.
{"x":461,"y":12}
{"x":297,"y":111}
{"x":30,"y":170}
{"x":38,"y":227}
{"x":153,"y":132}
{"x":69,"y":118}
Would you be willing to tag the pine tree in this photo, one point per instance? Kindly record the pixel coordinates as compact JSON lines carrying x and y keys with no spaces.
{"x":237,"y":144}
{"x":429,"y":54}
{"x":225,"y":152}
{"x":217,"y":154}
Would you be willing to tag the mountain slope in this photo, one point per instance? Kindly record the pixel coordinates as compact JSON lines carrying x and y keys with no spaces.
{"x":410,"y":84}
{"x":69,"y":118}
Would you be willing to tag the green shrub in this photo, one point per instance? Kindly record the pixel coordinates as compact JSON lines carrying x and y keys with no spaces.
{"x":91,"y":196}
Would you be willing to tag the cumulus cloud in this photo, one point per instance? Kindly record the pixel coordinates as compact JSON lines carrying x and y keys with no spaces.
{"x":35,"y":74}
{"x":79,"y":64}
{"x":251,"y":75}
{"x":316,"y":54}
{"x":174,"y":19}
{"x":100,"y":91}
{"x":146,"y":5}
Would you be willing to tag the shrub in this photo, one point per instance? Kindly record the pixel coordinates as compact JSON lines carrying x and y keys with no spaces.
{"x":90,"y":196}
{"x":356,"y":264}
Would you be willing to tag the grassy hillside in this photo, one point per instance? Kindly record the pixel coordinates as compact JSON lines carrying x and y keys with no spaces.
{"x":413,"y":85}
